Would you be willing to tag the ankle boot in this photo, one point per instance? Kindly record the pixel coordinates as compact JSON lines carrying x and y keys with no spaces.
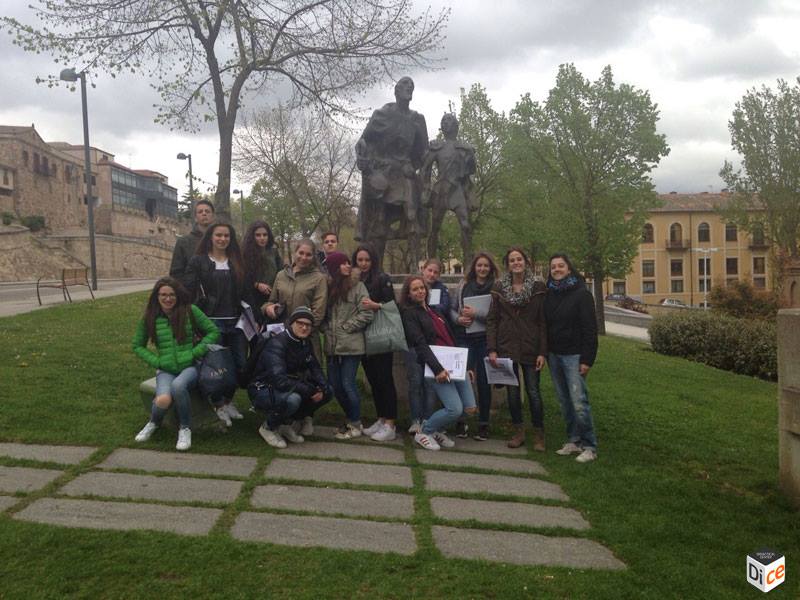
{"x":518,"y":439}
{"x":538,"y":439}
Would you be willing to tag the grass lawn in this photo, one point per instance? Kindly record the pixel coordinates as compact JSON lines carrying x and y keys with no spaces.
{"x":685,"y":486}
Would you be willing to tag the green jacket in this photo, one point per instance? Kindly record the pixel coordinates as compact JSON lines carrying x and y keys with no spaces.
{"x":301,"y":288}
{"x":170,"y":356}
{"x":345,"y":323}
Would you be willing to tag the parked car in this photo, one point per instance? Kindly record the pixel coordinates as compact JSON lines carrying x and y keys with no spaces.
{"x":617,"y":297}
{"x":629,"y":303}
{"x":673,"y":303}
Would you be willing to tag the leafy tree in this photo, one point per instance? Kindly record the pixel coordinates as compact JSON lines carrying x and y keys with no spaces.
{"x":587,"y":153}
{"x":207,"y":57}
{"x":765,"y":131}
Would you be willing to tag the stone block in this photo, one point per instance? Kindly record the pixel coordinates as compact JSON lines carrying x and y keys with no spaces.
{"x":23,"y":479}
{"x":491,"y":446}
{"x":373,"y":452}
{"x":148,"y":487}
{"x":345,"y":534}
{"x":7,"y":501}
{"x":357,"y":503}
{"x":94,"y":514}
{"x":324,"y":432}
{"x":524,"y":548}
{"x":480,"y":461}
{"x":339,"y":472}
{"x":507,"y":513}
{"x":789,"y":403}
{"x":172,"y":462}
{"x":65,"y":455}
{"x":445,"y":481}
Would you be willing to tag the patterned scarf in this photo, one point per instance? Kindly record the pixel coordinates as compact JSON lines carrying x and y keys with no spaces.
{"x":562,"y":285}
{"x":522,"y":297}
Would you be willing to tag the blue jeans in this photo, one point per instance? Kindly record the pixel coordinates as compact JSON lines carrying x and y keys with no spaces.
{"x":531,"y":377}
{"x":574,"y":398}
{"x":421,"y":398}
{"x":477,"y":352}
{"x":279,"y":407}
{"x":176,"y":387}
{"x":455,"y":396}
{"x":233,"y":338}
{"x":342,"y":377}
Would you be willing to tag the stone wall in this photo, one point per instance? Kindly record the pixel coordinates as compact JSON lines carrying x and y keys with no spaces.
{"x":122,"y":257}
{"x":26,"y":258}
{"x":789,"y":402}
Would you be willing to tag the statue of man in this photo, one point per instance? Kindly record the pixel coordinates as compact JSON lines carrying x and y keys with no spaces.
{"x":452,"y":190}
{"x":389,"y":154}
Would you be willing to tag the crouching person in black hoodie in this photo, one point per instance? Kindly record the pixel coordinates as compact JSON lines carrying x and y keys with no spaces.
{"x":288,"y":384}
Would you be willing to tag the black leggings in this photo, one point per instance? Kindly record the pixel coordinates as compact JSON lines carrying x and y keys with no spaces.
{"x":378,"y":369}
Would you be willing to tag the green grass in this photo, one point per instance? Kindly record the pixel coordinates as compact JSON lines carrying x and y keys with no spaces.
{"x":685,"y":486}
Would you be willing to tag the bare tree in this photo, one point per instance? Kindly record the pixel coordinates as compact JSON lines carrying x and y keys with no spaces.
{"x":309,"y":161}
{"x":207,"y":56}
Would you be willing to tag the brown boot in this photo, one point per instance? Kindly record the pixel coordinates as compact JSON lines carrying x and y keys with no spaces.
{"x":538,"y":439}
{"x":518,"y":439}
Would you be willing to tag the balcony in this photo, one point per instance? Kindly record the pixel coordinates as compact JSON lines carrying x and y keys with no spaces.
{"x":678,"y":244}
{"x":759,"y":244}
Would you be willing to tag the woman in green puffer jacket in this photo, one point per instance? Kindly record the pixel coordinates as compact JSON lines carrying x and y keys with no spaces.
{"x":172,"y":323}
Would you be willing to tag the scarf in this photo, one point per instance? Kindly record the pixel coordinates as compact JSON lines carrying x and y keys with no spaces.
{"x":522,"y":297}
{"x":564,"y":285}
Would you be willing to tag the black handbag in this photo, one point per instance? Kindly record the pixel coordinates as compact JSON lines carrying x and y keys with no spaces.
{"x":217,"y":374}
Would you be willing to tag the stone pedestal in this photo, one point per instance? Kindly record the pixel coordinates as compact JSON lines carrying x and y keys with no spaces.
{"x":790,"y":293}
{"x":789,"y":402}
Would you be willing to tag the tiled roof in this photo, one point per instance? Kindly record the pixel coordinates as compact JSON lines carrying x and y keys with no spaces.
{"x":702,"y":202}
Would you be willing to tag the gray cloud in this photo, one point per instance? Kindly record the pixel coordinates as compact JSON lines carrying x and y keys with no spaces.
{"x":747,"y":57}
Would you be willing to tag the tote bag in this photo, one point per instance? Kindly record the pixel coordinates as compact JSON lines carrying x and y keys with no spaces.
{"x":385,"y":332}
{"x":217,"y":374}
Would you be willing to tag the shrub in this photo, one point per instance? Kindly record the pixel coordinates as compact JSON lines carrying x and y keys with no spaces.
{"x":33,"y":222}
{"x":743,"y":346}
{"x":7,"y":218}
{"x":740,"y":299}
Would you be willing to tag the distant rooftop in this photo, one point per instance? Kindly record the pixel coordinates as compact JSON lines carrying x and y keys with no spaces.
{"x":702,"y":202}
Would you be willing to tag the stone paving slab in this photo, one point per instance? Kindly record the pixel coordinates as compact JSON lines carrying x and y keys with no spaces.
{"x":148,"y":487}
{"x":65,"y":455}
{"x":495,"y":446}
{"x":339,"y":472}
{"x":94,"y":514}
{"x":326,"y":433}
{"x":23,"y":479}
{"x":200,"y":464}
{"x":524,"y":548}
{"x":374,"y":453}
{"x":331,"y":500}
{"x":445,"y":481}
{"x":347,"y":534}
{"x":480,"y":461}
{"x":508,"y":513}
{"x":6,"y":501}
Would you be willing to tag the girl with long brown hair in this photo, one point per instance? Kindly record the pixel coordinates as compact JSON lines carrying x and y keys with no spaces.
{"x":262,"y":262}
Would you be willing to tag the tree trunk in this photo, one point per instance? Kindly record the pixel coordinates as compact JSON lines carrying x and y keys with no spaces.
{"x":599,"y":306}
{"x":222,"y":202}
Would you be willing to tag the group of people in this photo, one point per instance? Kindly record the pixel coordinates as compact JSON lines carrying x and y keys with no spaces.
{"x":212,"y":280}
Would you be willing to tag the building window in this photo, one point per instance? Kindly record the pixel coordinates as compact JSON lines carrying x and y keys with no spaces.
{"x":760,"y":282}
{"x":675,"y":232}
{"x":648,"y":287}
{"x":731,"y":281}
{"x":619,"y":287}
{"x":701,"y":285}
{"x":676,"y":268}
{"x":676,"y":286}
{"x":45,"y":166}
{"x":759,"y":265}
{"x":25,"y":157}
{"x":730,"y":233}
{"x":758,"y":235}
{"x":36,"y":165}
{"x":5,"y":178}
{"x":703,"y":233}
{"x":731,"y":266}
{"x":647,"y":234}
{"x":648,"y":268}
{"x":704,"y":266}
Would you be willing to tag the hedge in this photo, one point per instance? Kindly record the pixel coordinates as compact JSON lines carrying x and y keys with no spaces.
{"x":743,"y":346}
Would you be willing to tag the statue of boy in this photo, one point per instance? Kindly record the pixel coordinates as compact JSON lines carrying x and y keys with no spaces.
{"x":452,"y":190}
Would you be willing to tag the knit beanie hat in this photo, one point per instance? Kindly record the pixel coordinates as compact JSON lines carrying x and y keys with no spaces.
{"x":301,"y":312}
{"x":334,"y":260}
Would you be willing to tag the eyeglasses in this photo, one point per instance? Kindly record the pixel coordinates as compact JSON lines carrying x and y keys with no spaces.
{"x":167,"y":296}
{"x":303,"y":323}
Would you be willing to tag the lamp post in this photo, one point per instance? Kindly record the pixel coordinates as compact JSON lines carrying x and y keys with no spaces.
{"x":706,"y":277}
{"x":71,"y":75}
{"x":241,"y":207}
{"x":182,"y":156}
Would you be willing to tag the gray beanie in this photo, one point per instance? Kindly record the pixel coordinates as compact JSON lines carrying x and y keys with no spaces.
{"x":299,"y":313}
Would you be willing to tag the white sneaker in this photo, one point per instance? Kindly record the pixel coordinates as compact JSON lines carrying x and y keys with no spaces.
{"x":569,"y":448}
{"x":223,"y":415}
{"x":307,"y":428}
{"x":443,"y":440}
{"x":272,"y":438}
{"x":232,"y":411}
{"x":146,"y":432}
{"x":385,"y":434}
{"x":287,"y":432}
{"x":374,"y":428}
{"x":184,"y":439}
{"x":426,"y":441}
{"x":350,"y":431}
{"x":416,"y":426}
{"x":586,"y":456}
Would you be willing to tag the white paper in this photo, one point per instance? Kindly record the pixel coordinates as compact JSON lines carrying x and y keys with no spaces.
{"x":247,"y":322}
{"x":503,"y":374}
{"x":480,"y":304}
{"x":451,"y":358}
{"x":275,"y":329}
{"x":434,"y":297}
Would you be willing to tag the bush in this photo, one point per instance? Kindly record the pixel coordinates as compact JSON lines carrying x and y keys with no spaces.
{"x":740,"y":299}
{"x":743,"y":346}
{"x":7,"y":218}
{"x":33,"y":222}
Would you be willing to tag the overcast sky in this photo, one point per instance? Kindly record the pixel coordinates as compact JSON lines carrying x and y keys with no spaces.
{"x":696,"y":58}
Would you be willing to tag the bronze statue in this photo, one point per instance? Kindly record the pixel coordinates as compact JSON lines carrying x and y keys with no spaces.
{"x":452,"y":190}
{"x":389,"y":154}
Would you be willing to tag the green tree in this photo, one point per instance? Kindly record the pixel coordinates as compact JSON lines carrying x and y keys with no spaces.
{"x":765,"y":131}
{"x":207,"y":57}
{"x":588,"y":151}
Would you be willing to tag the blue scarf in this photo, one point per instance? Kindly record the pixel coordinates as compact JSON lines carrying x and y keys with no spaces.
{"x":564,"y":285}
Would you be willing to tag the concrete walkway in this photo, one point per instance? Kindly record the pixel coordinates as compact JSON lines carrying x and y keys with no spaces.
{"x":339,"y":495}
{"x":628,"y":331}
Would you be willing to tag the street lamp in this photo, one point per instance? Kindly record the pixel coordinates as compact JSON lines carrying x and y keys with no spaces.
{"x":241,"y":207}
{"x":182,"y":156}
{"x":706,"y":269}
{"x":71,"y":75}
